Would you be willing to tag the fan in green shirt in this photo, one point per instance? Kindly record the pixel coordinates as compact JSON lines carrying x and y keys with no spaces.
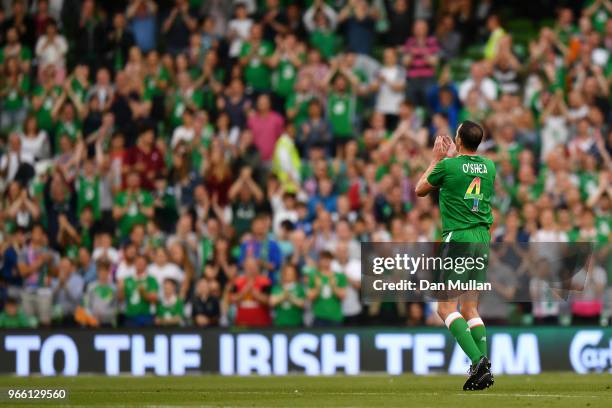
{"x":79,"y":83}
{"x":322,"y":32}
{"x":326,"y":290}
{"x":88,"y":189}
{"x":254,"y":56}
{"x":14,"y":91}
{"x":43,"y":101}
{"x":139,"y":291}
{"x":342,"y":102}
{"x":65,"y":113}
{"x":296,"y":104}
{"x":599,"y":11}
{"x":155,"y":83}
{"x":14,"y":48}
{"x":186,"y":96}
{"x":132,"y":206}
{"x":24,"y":54}
{"x":287,"y":299}
{"x":327,"y":42}
{"x":170,"y":306}
{"x":14,"y":318}
{"x":286,"y":61}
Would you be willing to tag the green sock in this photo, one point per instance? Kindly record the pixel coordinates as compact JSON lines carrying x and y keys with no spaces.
{"x":461,"y":332}
{"x":479,"y":333}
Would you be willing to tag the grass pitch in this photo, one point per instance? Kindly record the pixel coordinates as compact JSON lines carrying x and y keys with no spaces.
{"x":545,"y":390}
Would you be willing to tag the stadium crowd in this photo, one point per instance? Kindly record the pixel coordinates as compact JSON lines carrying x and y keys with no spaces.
{"x":218,"y":162}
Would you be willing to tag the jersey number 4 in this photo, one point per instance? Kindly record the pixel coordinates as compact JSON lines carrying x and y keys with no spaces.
{"x":473,"y":193}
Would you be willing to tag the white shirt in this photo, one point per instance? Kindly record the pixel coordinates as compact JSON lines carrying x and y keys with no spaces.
{"x":351,"y":305}
{"x":125,"y":271}
{"x":167,"y":271}
{"x":387,"y":100}
{"x":54,"y":53}
{"x":182,"y":134}
{"x":554,"y":133}
{"x":281,"y":213}
{"x":10,"y":163}
{"x":34,"y":146}
{"x":487,"y":88}
{"x":242,"y":28}
{"x":110,"y":253}
{"x":586,"y":284}
{"x":549,"y":236}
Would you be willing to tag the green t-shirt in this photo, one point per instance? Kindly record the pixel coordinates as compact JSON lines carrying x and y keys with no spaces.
{"x":257,"y":74}
{"x":179,"y":106}
{"x":133,"y":203}
{"x":600,"y":17}
{"x":24,"y":54}
{"x":86,"y":238}
{"x":327,"y":42}
{"x":589,"y":183}
{"x":243,"y":214}
{"x":79,"y":90}
{"x":299,"y":102}
{"x":208,"y":93}
{"x":152,"y":83}
{"x":88,"y":194}
{"x":341,"y":112}
{"x":566,"y":33}
{"x":18,"y":321}
{"x":466,"y":188}
{"x":135,"y":304}
{"x":43,"y":115}
{"x":17,"y":97}
{"x":170,"y":310}
{"x":71,"y":128}
{"x":327,"y":306}
{"x":205,"y":138}
{"x":283,"y":78}
{"x":286,"y":313}
{"x":207,"y":250}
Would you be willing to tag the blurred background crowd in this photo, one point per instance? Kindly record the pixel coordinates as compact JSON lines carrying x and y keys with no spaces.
{"x":218,"y":162}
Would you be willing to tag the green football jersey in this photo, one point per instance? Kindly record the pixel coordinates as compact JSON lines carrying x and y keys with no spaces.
{"x":341,"y":113}
{"x":167,"y":309}
{"x":283,"y":78}
{"x":327,"y":305}
{"x":286,"y":313}
{"x":466,"y":188}
{"x":133,"y":204}
{"x":88,"y":194}
{"x":135,"y":304}
{"x":257,"y":74}
{"x":16,"y":98}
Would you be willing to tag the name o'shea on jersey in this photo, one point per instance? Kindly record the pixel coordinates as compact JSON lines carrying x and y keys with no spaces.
{"x":478,"y":168}
{"x":466,"y":185}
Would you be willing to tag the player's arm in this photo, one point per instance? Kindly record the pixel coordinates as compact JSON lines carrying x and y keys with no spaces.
{"x":440,"y":149}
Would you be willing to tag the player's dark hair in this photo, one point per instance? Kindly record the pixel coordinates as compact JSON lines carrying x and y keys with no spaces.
{"x":325,"y":254}
{"x":471,"y":134}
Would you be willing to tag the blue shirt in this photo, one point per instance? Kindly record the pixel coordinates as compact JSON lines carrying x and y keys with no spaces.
{"x":144,"y":30}
{"x":329,"y":203}
{"x":360,"y":35}
{"x":258,"y":250}
{"x":9,"y":272}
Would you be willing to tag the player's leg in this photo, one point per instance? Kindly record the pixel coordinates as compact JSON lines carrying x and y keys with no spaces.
{"x":478,"y":249}
{"x":458,"y":326}
{"x":469,"y":310}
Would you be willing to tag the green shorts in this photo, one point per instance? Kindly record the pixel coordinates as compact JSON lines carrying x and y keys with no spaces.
{"x":465,"y":255}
